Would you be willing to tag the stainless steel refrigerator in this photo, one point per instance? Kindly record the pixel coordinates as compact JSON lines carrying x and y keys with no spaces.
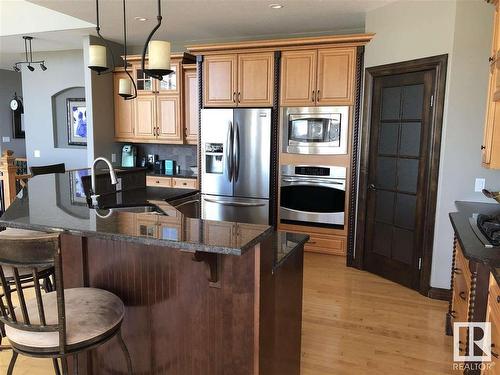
{"x":235,"y":163}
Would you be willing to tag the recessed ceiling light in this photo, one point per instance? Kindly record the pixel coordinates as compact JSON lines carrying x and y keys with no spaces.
{"x":276,"y":6}
{"x":140,"y":19}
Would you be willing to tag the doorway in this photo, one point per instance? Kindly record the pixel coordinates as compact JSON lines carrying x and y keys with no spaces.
{"x":399,"y":163}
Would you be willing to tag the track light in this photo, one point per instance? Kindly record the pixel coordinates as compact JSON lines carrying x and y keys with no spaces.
{"x":28,"y":52}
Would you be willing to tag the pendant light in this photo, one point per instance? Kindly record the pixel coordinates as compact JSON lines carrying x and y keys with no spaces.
{"x":98,"y":61}
{"x":125,"y":84}
{"x":158,"y":54}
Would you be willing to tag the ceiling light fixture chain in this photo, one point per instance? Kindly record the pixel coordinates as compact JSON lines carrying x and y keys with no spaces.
{"x":98,"y":55}
{"x":28,"y":53}
{"x":124,"y":84}
{"x":159,"y":53}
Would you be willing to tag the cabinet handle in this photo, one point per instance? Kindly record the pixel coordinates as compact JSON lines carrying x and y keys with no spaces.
{"x":483,"y":147}
{"x":234,"y":97}
{"x":317,"y":96}
{"x":453,"y":314}
{"x":457,"y":271}
{"x":313,"y":96}
{"x":498,"y":299}
{"x":462,"y":295}
{"x":493,"y":353}
{"x":239,"y":97}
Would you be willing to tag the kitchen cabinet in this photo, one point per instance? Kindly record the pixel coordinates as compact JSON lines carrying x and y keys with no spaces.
{"x":185,"y":183}
{"x":168,"y":119}
{"x":156,"y":181}
{"x":175,"y":182}
{"x":146,"y":85}
{"x":318,"y":77}
{"x":124,"y":111}
{"x":493,"y":316}
{"x":191,"y":106}
{"x":491,"y":143}
{"x":238,"y":80}
{"x":145,"y":119}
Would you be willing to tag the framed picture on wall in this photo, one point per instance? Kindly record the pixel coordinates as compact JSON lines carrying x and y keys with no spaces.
{"x":77,"y":121}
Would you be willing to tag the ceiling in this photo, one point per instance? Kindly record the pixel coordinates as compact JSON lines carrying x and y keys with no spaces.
{"x":194,"y":21}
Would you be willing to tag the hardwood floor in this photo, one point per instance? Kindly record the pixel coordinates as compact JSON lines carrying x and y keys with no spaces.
{"x":353,"y":323}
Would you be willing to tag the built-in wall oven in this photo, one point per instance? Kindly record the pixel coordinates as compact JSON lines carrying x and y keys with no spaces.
{"x":312,"y":195}
{"x":315,"y":130}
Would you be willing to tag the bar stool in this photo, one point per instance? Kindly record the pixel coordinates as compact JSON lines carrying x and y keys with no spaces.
{"x":58,"y":324}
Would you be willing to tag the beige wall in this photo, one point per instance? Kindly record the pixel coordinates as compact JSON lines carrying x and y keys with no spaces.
{"x":414,"y":29}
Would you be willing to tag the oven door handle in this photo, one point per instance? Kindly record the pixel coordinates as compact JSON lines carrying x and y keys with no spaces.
{"x":322,"y":181}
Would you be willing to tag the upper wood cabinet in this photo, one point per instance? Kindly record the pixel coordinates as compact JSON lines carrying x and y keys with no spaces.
{"x":318,"y":77}
{"x":238,"y":80}
{"x":491,"y":144}
{"x":191,"y":106}
{"x":147,"y":85}
{"x":168,"y":119}
{"x":124,"y":111}
{"x":145,"y":117}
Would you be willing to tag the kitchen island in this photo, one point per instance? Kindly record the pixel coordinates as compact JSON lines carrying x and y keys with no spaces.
{"x":202,"y":297}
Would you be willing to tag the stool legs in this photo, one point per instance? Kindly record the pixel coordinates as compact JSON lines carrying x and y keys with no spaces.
{"x":56,"y":366}
{"x":125,"y":352}
{"x":12,"y":363}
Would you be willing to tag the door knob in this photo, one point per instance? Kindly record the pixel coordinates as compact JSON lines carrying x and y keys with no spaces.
{"x":372,"y":187}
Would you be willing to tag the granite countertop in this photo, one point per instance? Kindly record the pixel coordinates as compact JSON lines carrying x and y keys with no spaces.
{"x":54,"y":203}
{"x":472,"y":247}
{"x":285,"y":243}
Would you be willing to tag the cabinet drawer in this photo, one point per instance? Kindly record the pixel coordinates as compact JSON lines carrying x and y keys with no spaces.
{"x":327,"y":244}
{"x":185,"y":183}
{"x":158,"y":181}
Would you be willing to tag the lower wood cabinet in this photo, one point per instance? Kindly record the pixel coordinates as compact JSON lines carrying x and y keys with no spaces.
{"x":324,"y":242}
{"x":493,"y":316}
{"x":175,"y":182}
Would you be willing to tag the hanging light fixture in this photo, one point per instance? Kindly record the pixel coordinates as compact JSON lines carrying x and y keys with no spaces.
{"x":125,"y":84}
{"x":28,"y":52}
{"x":98,"y":61}
{"x":158,"y":54}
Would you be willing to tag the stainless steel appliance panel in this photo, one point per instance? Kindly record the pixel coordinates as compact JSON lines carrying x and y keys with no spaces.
{"x":252,"y":152}
{"x":242,"y":210}
{"x":217,"y":134}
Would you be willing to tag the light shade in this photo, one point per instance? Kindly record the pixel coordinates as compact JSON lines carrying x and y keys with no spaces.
{"x":125,"y":87}
{"x":97,"y":58}
{"x":159,"y":55}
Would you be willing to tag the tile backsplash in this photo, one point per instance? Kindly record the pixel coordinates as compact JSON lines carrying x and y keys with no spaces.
{"x":184,"y":155}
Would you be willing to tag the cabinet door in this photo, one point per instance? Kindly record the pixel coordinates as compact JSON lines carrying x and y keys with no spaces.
{"x":147,"y":226}
{"x":255,"y":79}
{"x":219,"y":77}
{"x":145,"y":84}
{"x":191,"y":107}
{"x":169,"y":84}
{"x":168,"y":119}
{"x":219,"y":233}
{"x":336,"y":67}
{"x":298,"y":78}
{"x":145,"y":119}
{"x":124,"y":111}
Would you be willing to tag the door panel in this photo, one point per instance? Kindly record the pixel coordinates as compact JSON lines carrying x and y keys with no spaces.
{"x":255,"y":79}
{"x":169,"y":84}
{"x":191,"y":111}
{"x":336,"y":68}
{"x":298,"y":78}
{"x":216,"y":168}
{"x":244,"y":210}
{"x":220,"y":79}
{"x":145,"y":119}
{"x":168,"y":118}
{"x":124,"y":111}
{"x":252,"y":150}
{"x":397,"y":177}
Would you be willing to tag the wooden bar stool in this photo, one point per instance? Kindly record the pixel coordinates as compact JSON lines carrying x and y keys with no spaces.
{"x":58,"y":324}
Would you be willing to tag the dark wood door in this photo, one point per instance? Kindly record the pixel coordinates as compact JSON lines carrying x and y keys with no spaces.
{"x":398,"y":175}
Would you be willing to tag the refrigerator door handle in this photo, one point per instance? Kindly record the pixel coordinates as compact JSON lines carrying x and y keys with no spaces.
{"x":234,"y":204}
{"x":236,"y":153}
{"x":229,"y":152}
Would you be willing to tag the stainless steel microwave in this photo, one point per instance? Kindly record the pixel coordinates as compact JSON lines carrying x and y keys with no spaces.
{"x":315,"y":130}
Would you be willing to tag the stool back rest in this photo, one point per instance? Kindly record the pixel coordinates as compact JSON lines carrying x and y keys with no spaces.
{"x":33,"y":253}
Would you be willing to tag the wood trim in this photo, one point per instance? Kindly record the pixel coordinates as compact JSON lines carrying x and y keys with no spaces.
{"x":356,"y":39}
{"x":439,"y":293}
{"x":439,"y":65}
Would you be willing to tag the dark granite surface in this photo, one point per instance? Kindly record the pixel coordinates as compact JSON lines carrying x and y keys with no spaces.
{"x":285,"y":243}
{"x":56,"y":203}
{"x":473,"y":248}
